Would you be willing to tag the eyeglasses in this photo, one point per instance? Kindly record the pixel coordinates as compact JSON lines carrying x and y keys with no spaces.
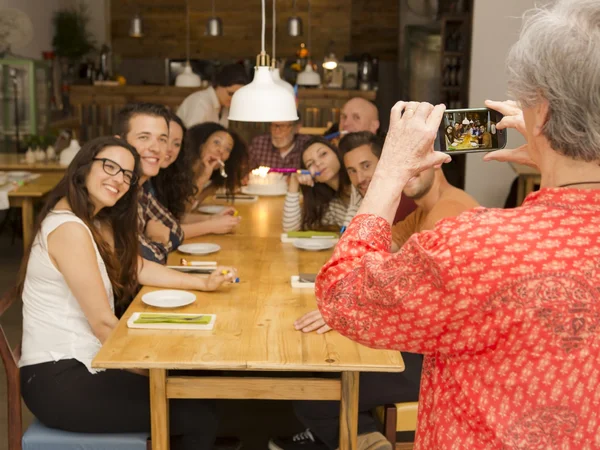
{"x":112,"y":168}
{"x":281,"y":126}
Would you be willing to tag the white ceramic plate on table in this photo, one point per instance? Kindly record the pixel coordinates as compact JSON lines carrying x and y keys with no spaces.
{"x":314,"y":245}
{"x":168,"y":298}
{"x":17,"y":175}
{"x":211,"y":209}
{"x":199,"y":249}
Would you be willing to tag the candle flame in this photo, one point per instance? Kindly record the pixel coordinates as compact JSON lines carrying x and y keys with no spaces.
{"x":262,"y":171}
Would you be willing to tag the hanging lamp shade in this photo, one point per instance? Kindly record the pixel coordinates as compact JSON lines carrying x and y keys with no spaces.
{"x":263,"y":100}
{"x":188,"y":78}
{"x":281,"y":82}
{"x":136,"y":26}
{"x":294,"y":26}
{"x":308,"y":77}
{"x":330,"y":62}
{"x":214,"y":26}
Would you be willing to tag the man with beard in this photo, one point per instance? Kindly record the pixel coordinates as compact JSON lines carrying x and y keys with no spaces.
{"x":282,"y":147}
{"x":436,"y":199}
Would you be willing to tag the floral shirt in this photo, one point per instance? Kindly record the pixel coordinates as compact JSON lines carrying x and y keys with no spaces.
{"x":505,"y":306}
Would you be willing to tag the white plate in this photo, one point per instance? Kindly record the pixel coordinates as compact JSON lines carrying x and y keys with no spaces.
{"x":314,"y":244}
{"x":199,"y":249}
{"x":168,"y":298}
{"x":250,"y":190}
{"x":17,"y":175}
{"x":211,"y":209}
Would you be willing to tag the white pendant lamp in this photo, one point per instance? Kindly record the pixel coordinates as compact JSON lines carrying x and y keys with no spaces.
{"x":263,"y":100}
{"x":187,"y":78}
{"x":308,"y":77}
{"x":295,"y":24}
{"x":274,"y":69}
{"x":214,"y":26}
{"x":136,"y":26}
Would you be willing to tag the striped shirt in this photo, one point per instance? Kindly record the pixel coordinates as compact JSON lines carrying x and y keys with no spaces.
{"x":337,"y":214}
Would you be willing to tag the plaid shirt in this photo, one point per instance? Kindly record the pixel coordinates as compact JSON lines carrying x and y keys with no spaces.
{"x":149,"y":208}
{"x":262,"y":152}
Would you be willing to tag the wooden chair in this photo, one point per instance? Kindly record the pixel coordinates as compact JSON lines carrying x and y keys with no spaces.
{"x":38,"y":436}
{"x":397,"y":418}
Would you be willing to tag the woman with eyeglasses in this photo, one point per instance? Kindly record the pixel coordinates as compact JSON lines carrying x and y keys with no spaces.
{"x":82,"y":265}
{"x":329,"y":200}
{"x":212,"y":104}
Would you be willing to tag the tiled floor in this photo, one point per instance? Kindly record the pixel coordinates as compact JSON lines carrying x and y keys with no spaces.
{"x":253,"y":421}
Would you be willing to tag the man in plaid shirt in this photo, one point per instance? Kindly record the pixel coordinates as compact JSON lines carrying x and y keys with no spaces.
{"x":282,"y":147}
{"x":146,"y":127}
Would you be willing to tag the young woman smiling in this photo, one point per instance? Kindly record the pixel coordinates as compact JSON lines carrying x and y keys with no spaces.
{"x":207,"y":146}
{"x":84,"y":256}
{"x":330,"y":201}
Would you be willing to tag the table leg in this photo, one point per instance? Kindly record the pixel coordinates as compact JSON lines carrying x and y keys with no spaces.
{"x":349,"y":411}
{"x":159,"y":409}
{"x":27,"y":219}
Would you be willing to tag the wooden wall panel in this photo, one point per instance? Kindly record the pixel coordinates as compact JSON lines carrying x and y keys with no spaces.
{"x":374,"y":28}
{"x":351,"y":24}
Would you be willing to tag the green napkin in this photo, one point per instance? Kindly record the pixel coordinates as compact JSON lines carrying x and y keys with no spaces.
{"x":309,"y":234}
{"x":196,"y":319}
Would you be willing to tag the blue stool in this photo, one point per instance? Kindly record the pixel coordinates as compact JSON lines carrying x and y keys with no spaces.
{"x":40,"y":437}
{"x":37,"y":436}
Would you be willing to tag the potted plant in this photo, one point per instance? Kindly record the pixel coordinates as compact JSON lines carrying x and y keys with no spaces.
{"x":72,"y":41}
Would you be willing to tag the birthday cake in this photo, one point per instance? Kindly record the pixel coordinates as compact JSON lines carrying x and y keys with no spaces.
{"x":263,"y":182}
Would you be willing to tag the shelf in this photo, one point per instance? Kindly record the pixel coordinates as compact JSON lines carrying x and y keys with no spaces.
{"x":451,"y":88}
{"x":453,"y":53}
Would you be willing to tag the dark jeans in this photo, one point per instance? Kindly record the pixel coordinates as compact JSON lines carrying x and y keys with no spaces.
{"x":375,"y":389}
{"x":66,"y":396}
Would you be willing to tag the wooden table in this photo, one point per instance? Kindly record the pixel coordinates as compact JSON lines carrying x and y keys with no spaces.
{"x":16,"y":161}
{"x":253,"y":332}
{"x":528,"y":177}
{"x":26,"y":195}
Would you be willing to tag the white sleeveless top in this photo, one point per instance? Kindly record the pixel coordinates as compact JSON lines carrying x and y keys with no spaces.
{"x":54,"y":326}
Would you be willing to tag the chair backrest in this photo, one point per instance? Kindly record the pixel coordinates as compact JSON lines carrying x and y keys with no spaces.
{"x":10,"y":359}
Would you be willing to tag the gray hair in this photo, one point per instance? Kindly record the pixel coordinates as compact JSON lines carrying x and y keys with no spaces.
{"x":557,"y":58}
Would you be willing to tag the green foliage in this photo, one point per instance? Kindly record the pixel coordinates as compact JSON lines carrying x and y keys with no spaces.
{"x":71,"y":38}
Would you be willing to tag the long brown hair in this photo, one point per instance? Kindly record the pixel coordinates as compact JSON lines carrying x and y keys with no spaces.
{"x":121,"y":262}
{"x":235,"y":166}
{"x":318,"y":197}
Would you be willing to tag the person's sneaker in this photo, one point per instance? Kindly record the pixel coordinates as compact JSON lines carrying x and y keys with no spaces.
{"x":372,"y":441}
{"x":301,"y":441}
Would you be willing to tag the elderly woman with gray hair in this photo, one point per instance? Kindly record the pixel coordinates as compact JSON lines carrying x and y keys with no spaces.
{"x":504,"y":304}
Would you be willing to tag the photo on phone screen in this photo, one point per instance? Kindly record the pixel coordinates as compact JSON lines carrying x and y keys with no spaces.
{"x":471,"y":130}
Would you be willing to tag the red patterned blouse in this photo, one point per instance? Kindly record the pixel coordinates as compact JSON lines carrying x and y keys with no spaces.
{"x":505,"y":305}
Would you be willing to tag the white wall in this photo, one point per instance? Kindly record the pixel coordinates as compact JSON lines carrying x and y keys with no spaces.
{"x":41,"y":11}
{"x":496,"y":28}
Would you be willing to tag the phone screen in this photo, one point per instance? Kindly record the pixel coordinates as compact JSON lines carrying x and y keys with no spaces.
{"x":471,"y":130}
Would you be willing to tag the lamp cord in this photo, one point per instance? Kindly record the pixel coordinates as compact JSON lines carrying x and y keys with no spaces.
{"x":262,"y":40}
{"x":309,"y":40}
{"x":274,"y":28}
{"x":187,"y":30}
{"x":213,"y":8}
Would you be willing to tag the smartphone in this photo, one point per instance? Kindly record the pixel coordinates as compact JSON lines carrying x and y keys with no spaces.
{"x":307,"y":277}
{"x":193,"y":269}
{"x":471,"y":131}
